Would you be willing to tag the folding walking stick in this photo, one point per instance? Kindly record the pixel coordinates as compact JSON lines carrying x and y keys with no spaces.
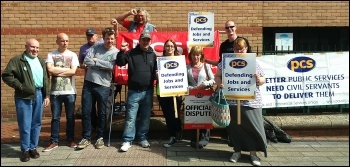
{"x":111,"y":115}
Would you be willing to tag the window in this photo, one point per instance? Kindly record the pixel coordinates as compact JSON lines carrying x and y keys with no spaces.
{"x":308,"y":39}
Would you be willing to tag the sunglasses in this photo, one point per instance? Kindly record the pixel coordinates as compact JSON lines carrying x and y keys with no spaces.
{"x":229,"y":27}
{"x":109,"y":30}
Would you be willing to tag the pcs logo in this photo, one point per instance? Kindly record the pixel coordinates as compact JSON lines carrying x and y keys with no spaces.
{"x":199,"y":95}
{"x":301,"y":64}
{"x":238,"y":63}
{"x":171,"y":65}
{"x":200,"y":20}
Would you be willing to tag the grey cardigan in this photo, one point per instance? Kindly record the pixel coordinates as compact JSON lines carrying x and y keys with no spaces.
{"x":202,"y":77}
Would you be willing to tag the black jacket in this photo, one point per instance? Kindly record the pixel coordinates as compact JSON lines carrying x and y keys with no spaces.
{"x":142,"y":67}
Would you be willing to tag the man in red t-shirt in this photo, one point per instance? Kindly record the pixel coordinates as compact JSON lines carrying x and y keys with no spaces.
{"x":139,"y":24}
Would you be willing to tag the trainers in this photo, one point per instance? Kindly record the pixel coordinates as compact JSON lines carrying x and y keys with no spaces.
{"x":171,"y":141}
{"x":204,"y":141}
{"x":144,"y":144}
{"x":34,"y":154}
{"x":125,"y":146}
{"x":51,"y":146}
{"x":25,"y":157}
{"x":235,"y":156}
{"x":99,"y":143}
{"x":255,"y":160}
{"x":83,"y":143}
{"x":71,"y":144}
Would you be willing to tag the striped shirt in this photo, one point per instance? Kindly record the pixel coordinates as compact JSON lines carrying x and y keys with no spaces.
{"x":257,"y":103}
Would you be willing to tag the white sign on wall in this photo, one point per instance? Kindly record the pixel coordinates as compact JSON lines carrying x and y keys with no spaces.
{"x":284,"y":41}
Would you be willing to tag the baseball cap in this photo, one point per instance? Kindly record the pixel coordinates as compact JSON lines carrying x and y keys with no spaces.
{"x":91,"y":31}
{"x":145,"y":35}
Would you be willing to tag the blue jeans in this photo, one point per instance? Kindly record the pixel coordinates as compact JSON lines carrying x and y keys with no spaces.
{"x":29,"y":114}
{"x":137,"y":100}
{"x":101,"y":94}
{"x":56,"y":109}
{"x":94,"y":116}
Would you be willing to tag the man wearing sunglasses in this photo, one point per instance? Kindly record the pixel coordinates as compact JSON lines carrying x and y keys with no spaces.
{"x":227,"y":45}
{"x":140,"y":22}
{"x":97,"y":82}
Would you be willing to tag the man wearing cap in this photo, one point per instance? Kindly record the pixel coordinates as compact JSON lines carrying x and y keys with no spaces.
{"x":97,"y":82}
{"x":91,"y":37}
{"x":142,"y":67}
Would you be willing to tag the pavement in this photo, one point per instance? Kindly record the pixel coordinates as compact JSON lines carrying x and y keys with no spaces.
{"x":306,"y":151}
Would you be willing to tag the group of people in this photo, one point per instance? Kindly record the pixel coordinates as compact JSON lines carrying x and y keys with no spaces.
{"x":98,"y":58}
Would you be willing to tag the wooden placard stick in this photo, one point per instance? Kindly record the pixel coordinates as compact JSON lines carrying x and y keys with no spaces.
{"x":238,"y":112}
{"x":197,"y":139}
{"x":175,"y":106}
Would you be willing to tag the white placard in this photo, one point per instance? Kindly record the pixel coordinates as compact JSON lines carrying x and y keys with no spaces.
{"x":172,"y":76}
{"x":305,"y":79}
{"x":197,"y":110}
{"x":238,"y":75}
{"x":201,"y":29}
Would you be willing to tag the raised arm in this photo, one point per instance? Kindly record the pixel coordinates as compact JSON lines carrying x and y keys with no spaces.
{"x":120,"y":19}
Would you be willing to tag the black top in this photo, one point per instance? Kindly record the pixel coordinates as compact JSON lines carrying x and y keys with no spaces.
{"x":142,"y":67}
{"x":227,"y":47}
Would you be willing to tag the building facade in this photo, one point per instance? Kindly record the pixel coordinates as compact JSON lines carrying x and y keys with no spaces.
{"x":256,"y":20}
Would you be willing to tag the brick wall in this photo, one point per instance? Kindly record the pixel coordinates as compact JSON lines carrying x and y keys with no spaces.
{"x":44,"y":20}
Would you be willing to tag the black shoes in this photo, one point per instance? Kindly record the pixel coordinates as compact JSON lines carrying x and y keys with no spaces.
{"x":25,"y":156}
{"x":34,"y":154}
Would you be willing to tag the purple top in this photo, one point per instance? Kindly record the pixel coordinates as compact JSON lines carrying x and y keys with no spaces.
{"x":83,"y":51}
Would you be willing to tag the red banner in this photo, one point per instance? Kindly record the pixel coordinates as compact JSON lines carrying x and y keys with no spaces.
{"x":157,"y":43}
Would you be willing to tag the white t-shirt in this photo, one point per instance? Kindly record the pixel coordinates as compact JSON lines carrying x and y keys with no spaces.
{"x":63,"y":85}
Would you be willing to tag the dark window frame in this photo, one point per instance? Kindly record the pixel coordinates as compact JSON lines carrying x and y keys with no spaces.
{"x":308,"y":39}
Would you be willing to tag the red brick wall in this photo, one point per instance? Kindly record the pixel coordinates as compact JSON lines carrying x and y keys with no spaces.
{"x":43,"y":20}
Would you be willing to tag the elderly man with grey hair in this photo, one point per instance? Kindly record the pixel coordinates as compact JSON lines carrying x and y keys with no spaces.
{"x":140,"y":22}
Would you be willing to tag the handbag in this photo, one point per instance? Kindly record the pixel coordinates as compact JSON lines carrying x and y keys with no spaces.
{"x":120,"y":75}
{"x":220,"y":109}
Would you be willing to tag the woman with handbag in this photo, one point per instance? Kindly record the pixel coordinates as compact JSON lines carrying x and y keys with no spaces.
{"x":200,"y":76}
{"x":173,"y":124}
{"x":250,"y":134}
